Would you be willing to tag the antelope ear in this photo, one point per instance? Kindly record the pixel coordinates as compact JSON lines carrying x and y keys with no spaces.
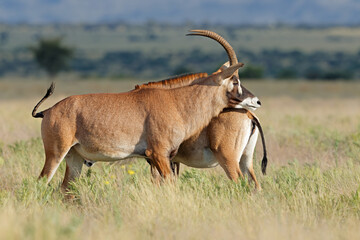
{"x":223,"y":67}
{"x":226,"y":73}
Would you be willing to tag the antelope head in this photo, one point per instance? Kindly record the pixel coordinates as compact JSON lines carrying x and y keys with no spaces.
{"x":238,"y":95}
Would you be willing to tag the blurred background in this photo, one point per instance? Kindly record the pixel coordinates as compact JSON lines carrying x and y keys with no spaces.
{"x":276,"y":39}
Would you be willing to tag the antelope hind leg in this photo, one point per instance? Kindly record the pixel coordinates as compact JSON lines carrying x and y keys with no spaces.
{"x":74,"y":163}
{"x":230,"y":165}
{"x":54,"y":154}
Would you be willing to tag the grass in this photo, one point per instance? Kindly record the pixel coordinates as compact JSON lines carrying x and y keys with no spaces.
{"x":312,"y":189}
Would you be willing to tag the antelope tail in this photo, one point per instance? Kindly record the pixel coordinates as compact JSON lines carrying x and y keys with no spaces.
{"x":48,"y":94}
{"x":264,"y":161}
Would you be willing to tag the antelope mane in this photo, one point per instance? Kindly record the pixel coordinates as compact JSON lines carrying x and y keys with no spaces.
{"x":174,"y":82}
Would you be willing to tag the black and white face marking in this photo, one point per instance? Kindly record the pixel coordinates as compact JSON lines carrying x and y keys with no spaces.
{"x":240,"y":97}
{"x":250,"y":103}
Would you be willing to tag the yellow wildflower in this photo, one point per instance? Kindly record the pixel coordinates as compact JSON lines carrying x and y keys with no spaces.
{"x":107,"y":182}
{"x":131,"y":172}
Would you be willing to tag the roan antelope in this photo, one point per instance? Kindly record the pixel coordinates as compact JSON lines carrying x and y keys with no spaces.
{"x":149,"y":123}
{"x":230,"y":138}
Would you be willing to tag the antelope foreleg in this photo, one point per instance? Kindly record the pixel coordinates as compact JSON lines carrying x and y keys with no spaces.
{"x":175,"y":167}
{"x":161,"y":163}
{"x":155,"y":175}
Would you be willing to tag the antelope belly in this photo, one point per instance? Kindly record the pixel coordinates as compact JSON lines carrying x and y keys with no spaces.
{"x":108,"y":156}
{"x":203,"y":158}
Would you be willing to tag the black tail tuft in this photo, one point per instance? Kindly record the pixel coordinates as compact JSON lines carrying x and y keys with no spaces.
{"x":49,"y":92}
{"x":263,"y":165}
{"x":38,"y":115}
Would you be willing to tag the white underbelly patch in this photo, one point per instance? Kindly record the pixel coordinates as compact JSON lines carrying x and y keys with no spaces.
{"x":92,"y":157}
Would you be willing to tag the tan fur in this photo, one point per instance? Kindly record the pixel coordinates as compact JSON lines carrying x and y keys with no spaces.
{"x":227,"y":136}
{"x":145,"y":122}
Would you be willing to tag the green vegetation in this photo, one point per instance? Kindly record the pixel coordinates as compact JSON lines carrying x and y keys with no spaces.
{"x":252,"y":72}
{"x":51,"y":55}
{"x":115,"y":201}
{"x":158,"y":50}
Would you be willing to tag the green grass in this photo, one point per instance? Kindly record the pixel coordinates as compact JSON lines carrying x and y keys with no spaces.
{"x":110,"y":202}
{"x":311,"y":191}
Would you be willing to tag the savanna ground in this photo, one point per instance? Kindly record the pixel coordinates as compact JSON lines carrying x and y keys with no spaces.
{"x":311,"y":191}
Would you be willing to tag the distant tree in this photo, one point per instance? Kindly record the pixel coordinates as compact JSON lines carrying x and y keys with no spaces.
{"x":287,"y":73}
{"x":51,"y":55}
{"x":338,"y":74}
{"x":314,"y":72}
{"x":4,"y":36}
{"x":252,"y":72}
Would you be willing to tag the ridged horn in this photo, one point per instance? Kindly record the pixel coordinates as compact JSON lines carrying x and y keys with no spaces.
{"x":229,"y":50}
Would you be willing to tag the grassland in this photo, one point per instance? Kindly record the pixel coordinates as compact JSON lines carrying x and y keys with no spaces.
{"x":154,"y":50}
{"x":97,"y":39}
{"x":312,"y":190}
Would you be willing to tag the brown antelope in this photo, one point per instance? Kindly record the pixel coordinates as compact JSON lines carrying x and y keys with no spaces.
{"x":230,"y":138}
{"x":150,"y":123}
{"x":199,"y":151}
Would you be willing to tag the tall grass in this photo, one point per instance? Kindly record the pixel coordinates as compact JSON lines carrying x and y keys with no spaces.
{"x":312,"y":189}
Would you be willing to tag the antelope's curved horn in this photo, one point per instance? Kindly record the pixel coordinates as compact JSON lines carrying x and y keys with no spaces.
{"x":229,"y":50}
